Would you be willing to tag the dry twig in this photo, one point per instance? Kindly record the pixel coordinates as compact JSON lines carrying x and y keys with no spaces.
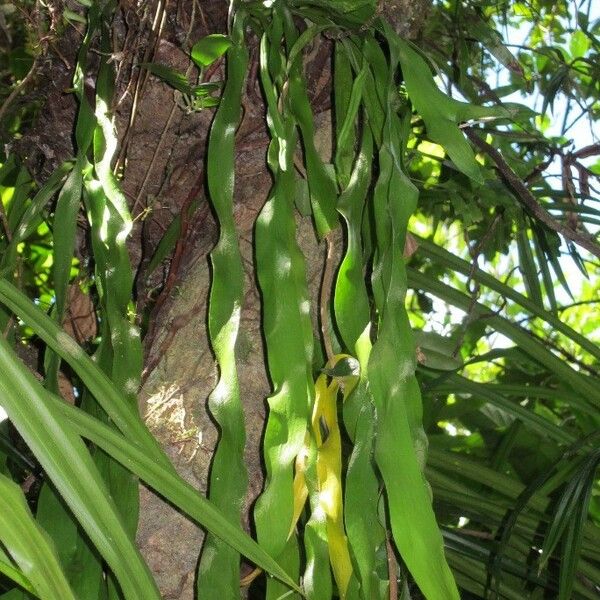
{"x":529,"y":201}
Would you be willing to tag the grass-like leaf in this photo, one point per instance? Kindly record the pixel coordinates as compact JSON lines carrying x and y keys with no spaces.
{"x":170,"y":486}
{"x":67,"y":463}
{"x":29,"y":546}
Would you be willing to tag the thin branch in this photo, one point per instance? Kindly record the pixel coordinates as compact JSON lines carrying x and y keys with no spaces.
{"x":529,"y":201}
{"x":575,"y":304}
{"x":18,"y":88}
{"x":539,"y":169}
{"x":392,"y":567}
{"x":588,"y":151}
{"x":154,"y":39}
{"x":4,"y":221}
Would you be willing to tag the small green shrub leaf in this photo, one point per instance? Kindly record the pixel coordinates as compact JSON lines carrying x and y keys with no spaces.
{"x":209,"y":49}
{"x":170,"y":76}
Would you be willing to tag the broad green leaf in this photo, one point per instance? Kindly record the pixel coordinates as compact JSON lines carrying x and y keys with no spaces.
{"x":579,"y":44}
{"x":437,"y":352}
{"x":210,"y":48}
{"x":441,"y":114}
{"x":493,"y":42}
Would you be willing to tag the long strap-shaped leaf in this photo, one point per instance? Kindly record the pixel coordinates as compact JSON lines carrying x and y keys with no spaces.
{"x":68,"y":203}
{"x":287,"y":327}
{"x":82,"y":565}
{"x":451,"y":473}
{"x":9,"y":229}
{"x":317,"y":581}
{"x":326,"y":430}
{"x":456,"y":384}
{"x":442,"y":114}
{"x":319,"y":476}
{"x":352,"y":313}
{"x":400,"y":442}
{"x":219,"y":567}
{"x":347,"y":101}
{"x":29,"y":546}
{"x":69,"y":466}
{"x":119,"y":353}
{"x":111,"y":223}
{"x":13,"y":573}
{"x":30,"y":218}
{"x":321,"y":185}
{"x":64,"y":228}
{"x":18,"y":203}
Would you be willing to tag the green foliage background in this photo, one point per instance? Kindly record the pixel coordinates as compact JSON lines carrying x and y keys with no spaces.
{"x":445,"y":443}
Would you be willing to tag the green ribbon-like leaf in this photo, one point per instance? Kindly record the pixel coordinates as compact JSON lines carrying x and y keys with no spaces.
{"x":219,"y":567}
{"x":29,"y":546}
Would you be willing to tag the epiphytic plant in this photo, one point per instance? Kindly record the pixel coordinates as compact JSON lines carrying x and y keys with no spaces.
{"x":347,"y":495}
